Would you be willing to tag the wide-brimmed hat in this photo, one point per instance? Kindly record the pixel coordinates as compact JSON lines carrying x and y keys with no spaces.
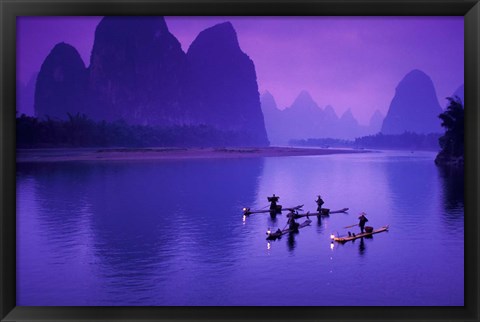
{"x":361,"y":214}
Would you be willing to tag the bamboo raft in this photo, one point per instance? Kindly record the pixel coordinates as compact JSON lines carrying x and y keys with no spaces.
{"x":365,"y":234}
{"x":324,"y":212}
{"x":247,"y":211}
{"x":278,"y":234}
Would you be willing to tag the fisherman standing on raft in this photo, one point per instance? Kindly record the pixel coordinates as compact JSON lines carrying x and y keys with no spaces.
{"x":362,"y":222}
{"x":320,"y":203}
{"x":273,"y":203}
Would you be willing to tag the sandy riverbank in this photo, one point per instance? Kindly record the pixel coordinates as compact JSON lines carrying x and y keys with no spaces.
{"x":109,"y":154}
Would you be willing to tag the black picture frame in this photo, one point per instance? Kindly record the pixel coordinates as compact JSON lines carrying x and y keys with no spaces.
{"x":10,"y":9}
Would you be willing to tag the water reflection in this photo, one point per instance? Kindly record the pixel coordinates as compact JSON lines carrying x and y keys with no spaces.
{"x":63,"y":212}
{"x":273,"y":220}
{"x":320,"y":227}
{"x":143,"y":218}
{"x":170,"y":233}
{"x":452,"y":183}
{"x":361,"y":247}
{"x":291,"y":243}
{"x":420,"y":191}
{"x":452,"y":179}
{"x":411,"y":183}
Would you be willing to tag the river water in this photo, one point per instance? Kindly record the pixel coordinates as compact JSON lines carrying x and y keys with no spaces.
{"x":170,"y":233}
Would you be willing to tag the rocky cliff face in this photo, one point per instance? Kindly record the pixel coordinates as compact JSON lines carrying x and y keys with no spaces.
{"x":137,"y":72}
{"x":414,"y":108}
{"x":61,"y":84}
{"x":225,"y":91}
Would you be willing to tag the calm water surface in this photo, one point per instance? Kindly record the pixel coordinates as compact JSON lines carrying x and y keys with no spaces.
{"x":169,"y":233}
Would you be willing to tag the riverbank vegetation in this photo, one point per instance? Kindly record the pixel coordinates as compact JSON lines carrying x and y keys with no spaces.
{"x":452,"y":142}
{"x":80,"y":131}
{"x":405,"y":141}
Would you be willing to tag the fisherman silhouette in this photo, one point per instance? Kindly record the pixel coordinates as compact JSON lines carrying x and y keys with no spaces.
{"x":362,"y":221}
{"x":320,"y":203}
{"x":273,"y":201}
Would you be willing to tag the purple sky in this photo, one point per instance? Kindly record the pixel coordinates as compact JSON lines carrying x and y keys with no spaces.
{"x":346,"y":62}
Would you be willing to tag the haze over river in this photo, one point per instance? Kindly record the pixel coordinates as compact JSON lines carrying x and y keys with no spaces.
{"x":171,"y":232}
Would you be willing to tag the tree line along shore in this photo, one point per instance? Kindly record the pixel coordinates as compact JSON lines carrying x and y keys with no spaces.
{"x":79,"y":131}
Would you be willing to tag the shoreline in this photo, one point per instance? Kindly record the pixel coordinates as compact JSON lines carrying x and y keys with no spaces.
{"x":125,"y":154}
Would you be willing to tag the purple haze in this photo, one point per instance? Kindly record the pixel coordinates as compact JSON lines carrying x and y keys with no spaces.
{"x":346,"y":62}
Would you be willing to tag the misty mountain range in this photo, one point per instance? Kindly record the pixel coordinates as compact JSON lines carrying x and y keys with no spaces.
{"x":139,"y":73}
{"x":414,"y":109}
{"x":305,"y":119}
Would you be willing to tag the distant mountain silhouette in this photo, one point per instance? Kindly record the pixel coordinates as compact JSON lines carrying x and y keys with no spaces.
{"x":414,"y":108}
{"x":329,"y":114}
{"x":304,"y":105}
{"x":376,"y":121}
{"x":61,"y":85}
{"x":138,"y":73}
{"x":274,"y":121}
{"x":330,"y":124}
{"x":300,"y":120}
{"x":348,"y":125}
{"x":304,"y":119}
